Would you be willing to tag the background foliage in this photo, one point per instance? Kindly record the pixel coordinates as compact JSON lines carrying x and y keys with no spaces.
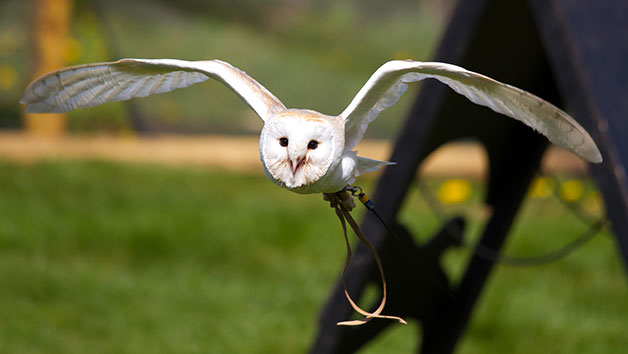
{"x":311,"y":54}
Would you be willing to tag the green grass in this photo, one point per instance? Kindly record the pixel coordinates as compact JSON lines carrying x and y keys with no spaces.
{"x":118,"y":258}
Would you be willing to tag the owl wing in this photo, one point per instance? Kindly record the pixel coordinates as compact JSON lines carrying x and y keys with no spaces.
{"x":94,"y":84}
{"x":391,"y":80}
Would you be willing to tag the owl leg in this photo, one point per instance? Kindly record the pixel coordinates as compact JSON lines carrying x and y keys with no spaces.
{"x":342,"y":197}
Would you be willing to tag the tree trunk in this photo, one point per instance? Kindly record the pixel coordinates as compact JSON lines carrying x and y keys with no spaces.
{"x":50,"y":21}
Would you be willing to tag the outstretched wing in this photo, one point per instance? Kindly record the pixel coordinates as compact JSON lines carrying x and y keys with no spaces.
{"x":94,"y":84}
{"x":390,"y":81}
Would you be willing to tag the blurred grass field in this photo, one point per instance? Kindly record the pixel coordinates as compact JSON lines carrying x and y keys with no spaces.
{"x":131,"y":258}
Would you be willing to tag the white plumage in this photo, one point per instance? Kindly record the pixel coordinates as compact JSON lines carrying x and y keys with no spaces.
{"x":303,"y":150}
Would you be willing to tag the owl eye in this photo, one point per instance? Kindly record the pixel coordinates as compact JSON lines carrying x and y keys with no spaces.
{"x":283,"y":141}
{"x":313,"y":144}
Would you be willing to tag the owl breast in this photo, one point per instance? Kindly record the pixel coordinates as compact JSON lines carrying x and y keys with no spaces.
{"x":301,"y":150}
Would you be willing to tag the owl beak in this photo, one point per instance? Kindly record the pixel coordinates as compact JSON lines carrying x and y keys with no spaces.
{"x":296,"y":163}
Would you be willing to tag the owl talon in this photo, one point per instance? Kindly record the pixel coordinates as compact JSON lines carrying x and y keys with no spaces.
{"x":347,"y":201}
{"x":340,"y":198}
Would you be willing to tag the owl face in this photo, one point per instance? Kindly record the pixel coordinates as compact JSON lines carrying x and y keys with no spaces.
{"x":298,"y":147}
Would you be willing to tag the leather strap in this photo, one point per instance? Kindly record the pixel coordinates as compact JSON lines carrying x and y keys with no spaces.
{"x":337,"y":202}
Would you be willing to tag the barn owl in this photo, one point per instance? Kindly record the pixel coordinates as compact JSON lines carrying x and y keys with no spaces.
{"x":303,"y":150}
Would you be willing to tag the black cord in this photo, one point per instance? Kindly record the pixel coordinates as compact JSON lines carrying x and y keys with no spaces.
{"x":357,"y":192}
{"x":406,"y":247}
{"x":495,"y":256}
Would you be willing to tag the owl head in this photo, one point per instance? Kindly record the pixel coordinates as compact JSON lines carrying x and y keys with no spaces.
{"x":298,"y":147}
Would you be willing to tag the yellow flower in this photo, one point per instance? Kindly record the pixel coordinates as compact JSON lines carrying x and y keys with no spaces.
{"x":454,"y":191}
{"x":542,"y":187}
{"x":571,"y":190}
{"x":593,"y":202}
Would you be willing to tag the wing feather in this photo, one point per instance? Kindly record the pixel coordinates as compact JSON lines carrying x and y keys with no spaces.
{"x":94,"y":84}
{"x":391,"y":80}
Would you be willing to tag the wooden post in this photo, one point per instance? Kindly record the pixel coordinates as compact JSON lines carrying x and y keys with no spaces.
{"x":50,"y":22}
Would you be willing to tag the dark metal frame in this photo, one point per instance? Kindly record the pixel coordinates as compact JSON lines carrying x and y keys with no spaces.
{"x":566,"y":51}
